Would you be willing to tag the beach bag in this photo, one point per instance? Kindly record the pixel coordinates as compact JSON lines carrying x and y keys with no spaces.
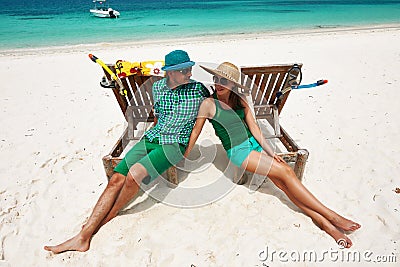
{"x":147,"y":68}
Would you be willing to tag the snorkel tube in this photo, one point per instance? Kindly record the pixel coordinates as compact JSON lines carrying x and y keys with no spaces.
{"x":114,"y":77}
{"x":311,"y":85}
{"x":295,"y":76}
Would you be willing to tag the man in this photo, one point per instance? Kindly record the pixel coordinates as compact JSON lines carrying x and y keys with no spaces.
{"x":176,"y":102}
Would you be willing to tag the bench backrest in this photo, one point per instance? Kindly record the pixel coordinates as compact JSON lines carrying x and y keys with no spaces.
{"x":266,"y":82}
{"x":139,"y":93}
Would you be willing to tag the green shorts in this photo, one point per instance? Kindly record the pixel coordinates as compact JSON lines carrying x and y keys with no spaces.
{"x":239,"y":153}
{"x":156,"y":158}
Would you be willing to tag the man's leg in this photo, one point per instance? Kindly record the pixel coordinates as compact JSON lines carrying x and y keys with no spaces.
{"x":81,"y":242}
{"x":158,"y":159}
{"x":131,"y":187}
{"x":120,"y":190}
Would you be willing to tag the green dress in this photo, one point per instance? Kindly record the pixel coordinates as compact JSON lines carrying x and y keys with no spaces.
{"x":235,"y":136}
{"x":229,"y":125}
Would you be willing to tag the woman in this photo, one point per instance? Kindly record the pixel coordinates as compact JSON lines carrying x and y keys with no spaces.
{"x":246,"y":147}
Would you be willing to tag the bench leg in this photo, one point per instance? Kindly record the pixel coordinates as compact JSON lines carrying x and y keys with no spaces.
{"x":108,"y":166}
{"x":172,"y":175}
{"x":240,"y":176}
{"x":302,"y":156}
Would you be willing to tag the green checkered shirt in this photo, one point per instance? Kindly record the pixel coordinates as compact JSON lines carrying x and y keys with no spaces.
{"x":176,"y":110}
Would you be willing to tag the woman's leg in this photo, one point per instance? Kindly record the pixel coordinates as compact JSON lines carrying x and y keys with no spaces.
{"x":321,"y":221}
{"x":263,"y":164}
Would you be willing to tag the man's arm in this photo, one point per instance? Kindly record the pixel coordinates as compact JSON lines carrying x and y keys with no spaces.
{"x":155,"y":93}
{"x":155,"y":118}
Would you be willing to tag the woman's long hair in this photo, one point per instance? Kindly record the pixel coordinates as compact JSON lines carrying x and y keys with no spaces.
{"x":234,"y":99}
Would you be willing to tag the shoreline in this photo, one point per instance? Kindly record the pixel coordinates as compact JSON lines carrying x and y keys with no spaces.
{"x":201,"y":39}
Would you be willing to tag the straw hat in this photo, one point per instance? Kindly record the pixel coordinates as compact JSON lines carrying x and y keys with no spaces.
{"x":177,"y":60}
{"x":230,"y":72}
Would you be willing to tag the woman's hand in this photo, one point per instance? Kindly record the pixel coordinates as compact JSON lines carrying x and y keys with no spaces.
{"x":279,"y":159}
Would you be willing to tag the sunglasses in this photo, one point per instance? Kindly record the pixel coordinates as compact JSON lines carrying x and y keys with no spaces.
{"x":219,"y":80}
{"x":185,"y":71}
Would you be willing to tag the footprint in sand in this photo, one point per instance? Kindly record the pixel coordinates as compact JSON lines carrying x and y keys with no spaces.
{"x":73,"y":164}
{"x":8,"y":203}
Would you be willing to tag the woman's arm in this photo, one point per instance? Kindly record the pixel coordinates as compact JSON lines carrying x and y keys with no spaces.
{"x":256,"y":132}
{"x":205,"y":110}
{"x":195,"y":134}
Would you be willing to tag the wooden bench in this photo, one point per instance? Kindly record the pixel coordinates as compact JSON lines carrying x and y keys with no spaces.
{"x":136,"y":106}
{"x":265,"y":82}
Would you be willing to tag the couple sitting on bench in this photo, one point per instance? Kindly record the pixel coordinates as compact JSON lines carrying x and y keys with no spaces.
{"x":181,"y":107}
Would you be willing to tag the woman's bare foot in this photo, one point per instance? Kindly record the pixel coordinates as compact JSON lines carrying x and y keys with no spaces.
{"x":77,"y":243}
{"x":345,"y":224}
{"x":341,"y":239}
{"x":344,"y":242}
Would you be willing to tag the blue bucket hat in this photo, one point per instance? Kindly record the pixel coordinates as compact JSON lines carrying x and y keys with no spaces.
{"x":177,"y":60}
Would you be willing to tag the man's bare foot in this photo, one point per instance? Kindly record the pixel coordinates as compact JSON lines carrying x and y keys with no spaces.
{"x":77,"y":243}
{"x":345,"y":224}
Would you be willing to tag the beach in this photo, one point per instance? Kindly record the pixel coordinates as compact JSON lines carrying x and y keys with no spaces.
{"x":57,"y":123}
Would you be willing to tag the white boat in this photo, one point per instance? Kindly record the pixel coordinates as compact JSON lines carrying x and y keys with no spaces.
{"x":102,"y":10}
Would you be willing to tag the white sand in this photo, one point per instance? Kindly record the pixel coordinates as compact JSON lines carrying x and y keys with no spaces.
{"x":57,"y":123}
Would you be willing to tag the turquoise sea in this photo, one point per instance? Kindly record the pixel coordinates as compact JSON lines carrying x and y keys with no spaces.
{"x":38,"y":23}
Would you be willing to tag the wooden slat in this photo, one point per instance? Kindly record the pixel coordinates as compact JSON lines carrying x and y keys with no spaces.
{"x":270,"y":87}
{"x":288,"y":142}
{"x":134,"y":89}
{"x":276,"y":126}
{"x":262,"y":89}
{"x":140,"y":79}
{"x":257,"y":79}
{"x":267,"y":69}
{"x":135,"y":115}
{"x":123,"y":104}
{"x":285,"y":97}
{"x":120,"y":98}
{"x":247,"y":82}
{"x":288,"y":157}
{"x":125,"y":82}
{"x":277,"y":88}
{"x":132,"y":82}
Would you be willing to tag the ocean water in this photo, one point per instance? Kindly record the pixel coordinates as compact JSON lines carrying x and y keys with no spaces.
{"x":39,"y":23}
